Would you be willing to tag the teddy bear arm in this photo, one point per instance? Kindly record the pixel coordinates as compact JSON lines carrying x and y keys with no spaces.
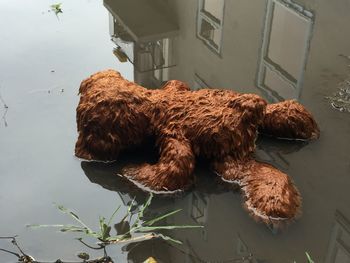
{"x":251,"y":107}
{"x":268,"y":192}
{"x":289,"y":119}
{"x":173,"y":170}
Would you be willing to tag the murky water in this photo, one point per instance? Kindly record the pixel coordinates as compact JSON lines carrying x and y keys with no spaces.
{"x":278,"y":49}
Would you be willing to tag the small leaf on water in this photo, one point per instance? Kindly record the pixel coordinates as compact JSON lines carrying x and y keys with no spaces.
{"x":150,"y":260}
{"x":56,"y":8}
{"x":83,"y":255}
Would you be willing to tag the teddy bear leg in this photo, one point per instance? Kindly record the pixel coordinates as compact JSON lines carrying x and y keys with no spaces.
{"x":269,"y":193}
{"x":289,"y":119}
{"x":173,"y":170}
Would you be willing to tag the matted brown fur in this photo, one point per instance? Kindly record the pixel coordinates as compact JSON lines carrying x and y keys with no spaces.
{"x":220,"y":125}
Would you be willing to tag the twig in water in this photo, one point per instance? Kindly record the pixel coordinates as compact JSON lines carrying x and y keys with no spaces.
{"x":23,"y":257}
{"x":5,"y":112}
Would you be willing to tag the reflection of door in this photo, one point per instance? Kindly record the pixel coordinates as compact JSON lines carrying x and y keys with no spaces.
{"x":284,"y":51}
{"x":339,"y":245}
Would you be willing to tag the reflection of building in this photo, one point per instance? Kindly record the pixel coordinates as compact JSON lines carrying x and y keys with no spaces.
{"x":246,"y":46}
{"x":145,"y":36}
{"x":339,"y":246}
{"x":284,"y":49}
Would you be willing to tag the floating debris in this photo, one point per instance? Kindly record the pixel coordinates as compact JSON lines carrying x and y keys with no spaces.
{"x":83,"y":255}
{"x":340,"y":100}
{"x":53,"y":90}
{"x":150,"y":260}
{"x":56,"y":8}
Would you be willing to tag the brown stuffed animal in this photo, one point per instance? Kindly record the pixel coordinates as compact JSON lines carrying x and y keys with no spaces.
{"x":219,"y":125}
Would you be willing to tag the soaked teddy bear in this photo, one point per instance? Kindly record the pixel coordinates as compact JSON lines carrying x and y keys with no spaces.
{"x":219,"y":125}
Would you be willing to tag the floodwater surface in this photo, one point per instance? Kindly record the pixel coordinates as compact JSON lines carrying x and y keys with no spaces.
{"x":278,"y":49}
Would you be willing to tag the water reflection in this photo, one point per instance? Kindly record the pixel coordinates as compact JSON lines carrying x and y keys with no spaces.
{"x":273,"y":151}
{"x":210,"y":16}
{"x":146,"y":38}
{"x":196,"y":205}
{"x":284,"y":51}
{"x":287,"y":52}
{"x":339,"y":245}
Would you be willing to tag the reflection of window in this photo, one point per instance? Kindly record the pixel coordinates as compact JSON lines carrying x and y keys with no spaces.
{"x":199,"y":205}
{"x":285,"y":45}
{"x":199,"y":208}
{"x":153,"y":55}
{"x":339,"y":246}
{"x":209,"y":24}
{"x":243,"y":252}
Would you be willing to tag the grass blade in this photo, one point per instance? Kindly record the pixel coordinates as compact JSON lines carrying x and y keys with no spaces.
{"x":112,"y":216}
{"x":152,"y":221}
{"x":40,"y":226}
{"x":167,"y":238}
{"x":75,"y":217}
{"x":64,"y":228}
{"x":309,"y":259}
{"x":104,"y":229}
{"x":152,"y":228}
{"x":72,"y":229}
{"x":131,"y":205}
{"x":146,"y":205}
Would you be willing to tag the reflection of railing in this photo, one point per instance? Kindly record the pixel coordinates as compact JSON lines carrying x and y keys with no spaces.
{"x":144,"y":36}
{"x":145,"y":56}
{"x":284,"y":51}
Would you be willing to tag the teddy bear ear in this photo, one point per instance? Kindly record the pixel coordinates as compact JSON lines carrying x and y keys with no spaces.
{"x":176,"y":85}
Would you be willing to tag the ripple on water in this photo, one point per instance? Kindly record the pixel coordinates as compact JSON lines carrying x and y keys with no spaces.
{"x":340,"y":100}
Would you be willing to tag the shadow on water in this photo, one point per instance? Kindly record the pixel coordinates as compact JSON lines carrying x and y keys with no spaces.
{"x":108,"y":174}
{"x":206,"y":184}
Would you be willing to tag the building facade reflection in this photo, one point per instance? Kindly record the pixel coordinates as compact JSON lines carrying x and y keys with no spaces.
{"x":339,"y":245}
{"x":285,"y":47}
{"x":279,"y":49}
